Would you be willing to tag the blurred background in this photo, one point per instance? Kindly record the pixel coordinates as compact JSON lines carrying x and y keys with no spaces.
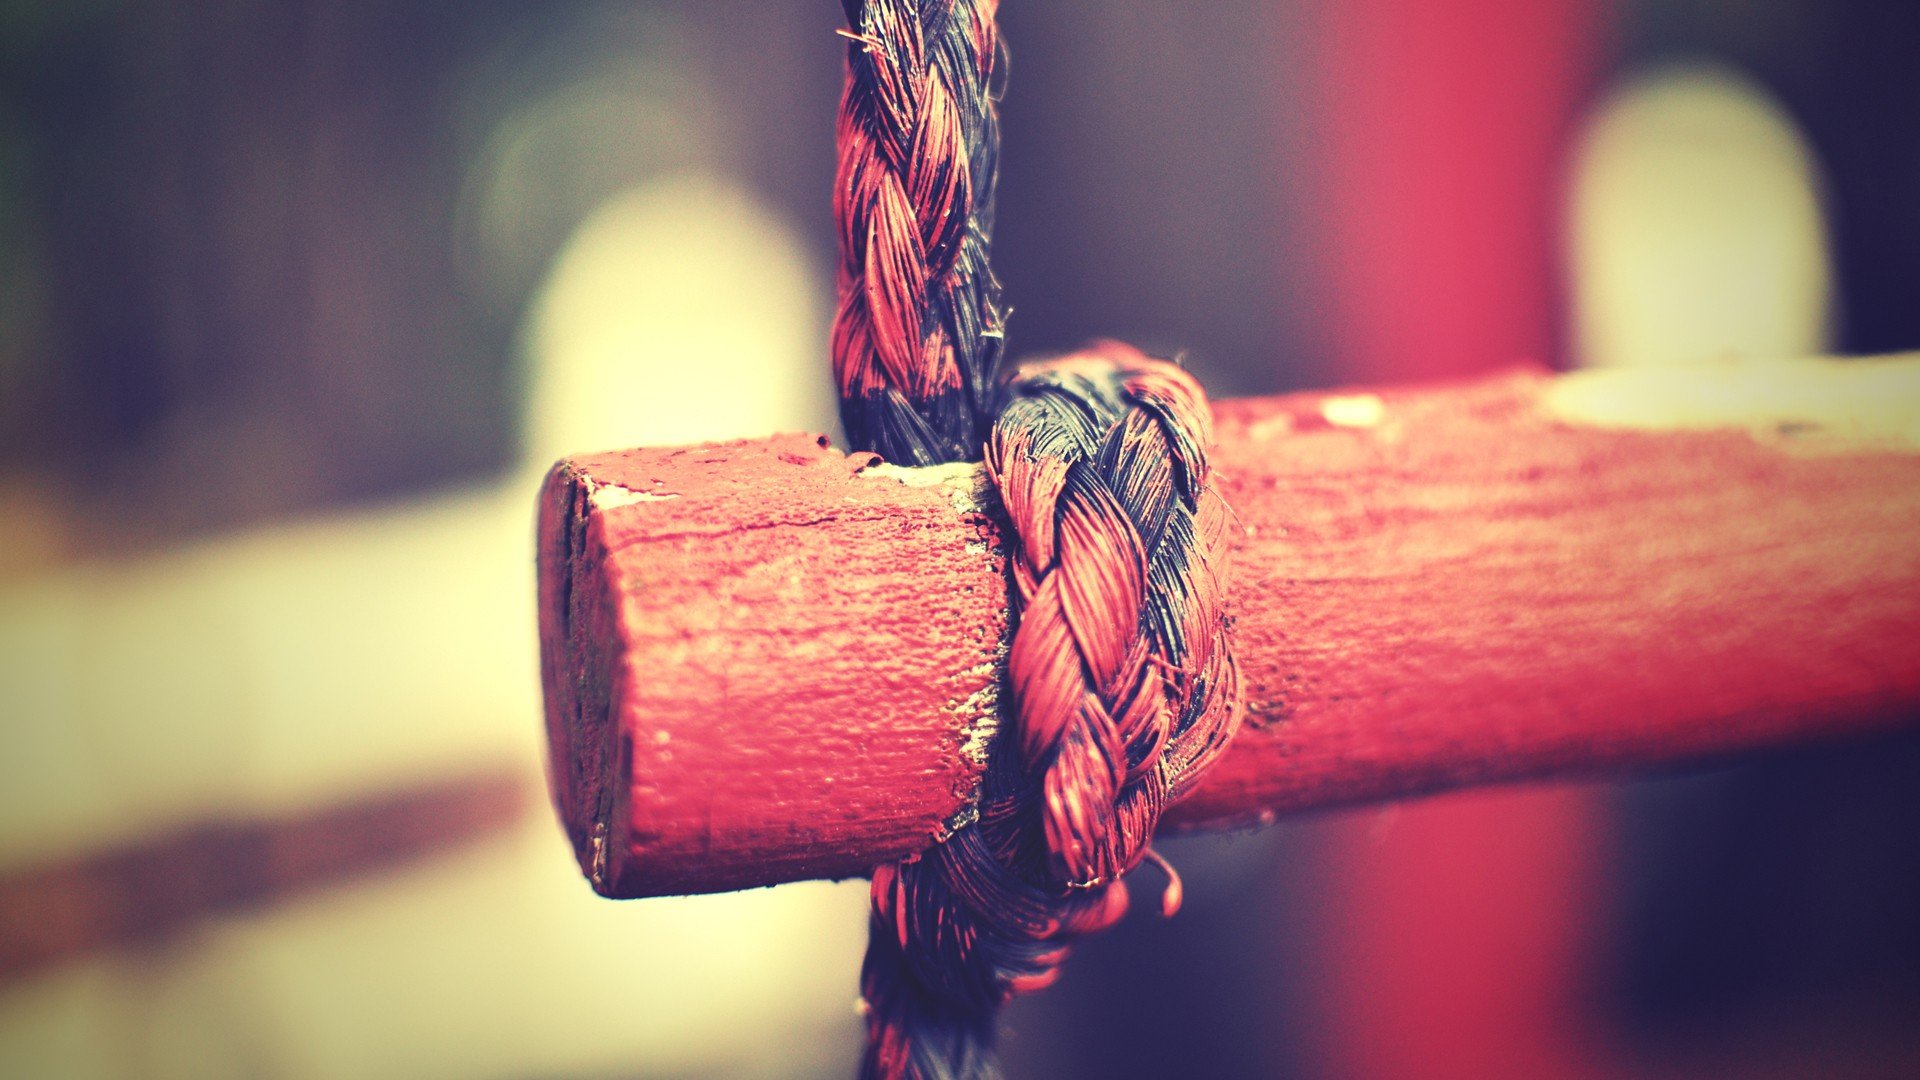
{"x":297,"y":300}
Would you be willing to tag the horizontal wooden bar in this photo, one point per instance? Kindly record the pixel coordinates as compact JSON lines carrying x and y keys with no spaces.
{"x":145,"y":893}
{"x":769,"y":661}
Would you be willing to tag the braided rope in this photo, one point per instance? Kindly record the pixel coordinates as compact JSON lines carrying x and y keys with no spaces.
{"x":1122,"y":689}
{"x":1121,"y":683}
{"x":918,"y":331}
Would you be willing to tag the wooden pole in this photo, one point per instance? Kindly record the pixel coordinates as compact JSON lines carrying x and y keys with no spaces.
{"x":768,"y":661}
{"x":143,"y":893}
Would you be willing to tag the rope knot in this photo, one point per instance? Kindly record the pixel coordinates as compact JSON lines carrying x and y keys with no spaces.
{"x":1120,"y":687}
{"x":1118,"y":665}
{"x":1121,"y":691}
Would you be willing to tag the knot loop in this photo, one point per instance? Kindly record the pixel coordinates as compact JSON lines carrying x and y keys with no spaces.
{"x":1121,"y":690}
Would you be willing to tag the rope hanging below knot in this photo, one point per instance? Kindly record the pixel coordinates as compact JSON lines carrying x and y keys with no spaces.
{"x":1122,"y":690}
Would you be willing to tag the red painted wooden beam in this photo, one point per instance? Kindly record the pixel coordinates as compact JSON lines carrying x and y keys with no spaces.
{"x":768,"y":661}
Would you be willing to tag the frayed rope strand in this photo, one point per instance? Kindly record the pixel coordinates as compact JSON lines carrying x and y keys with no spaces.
{"x":919,"y":328}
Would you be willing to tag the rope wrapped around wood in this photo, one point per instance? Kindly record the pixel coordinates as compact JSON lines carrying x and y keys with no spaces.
{"x":1120,"y":691}
{"x":1120,"y":682}
{"x":919,"y":327}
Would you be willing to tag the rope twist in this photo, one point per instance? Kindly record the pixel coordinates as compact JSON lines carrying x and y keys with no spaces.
{"x":1120,"y":684}
{"x":918,"y":331}
{"x":1122,"y":688}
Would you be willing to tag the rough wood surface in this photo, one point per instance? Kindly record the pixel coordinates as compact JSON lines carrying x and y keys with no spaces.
{"x":768,"y":661}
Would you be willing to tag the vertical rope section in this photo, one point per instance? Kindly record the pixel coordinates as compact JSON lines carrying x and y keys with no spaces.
{"x":1120,"y":685}
{"x":1122,"y":691}
{"x":918,"y":332}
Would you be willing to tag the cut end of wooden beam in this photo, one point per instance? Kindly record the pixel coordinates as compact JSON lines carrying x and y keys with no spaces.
{"x":674,"y":583}
{"x":576,"y":654}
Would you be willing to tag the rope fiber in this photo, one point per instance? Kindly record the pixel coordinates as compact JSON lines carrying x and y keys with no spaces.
{"x":919,"y":328}
{"x":1122,"y":690}
{"x":1120,"y":685}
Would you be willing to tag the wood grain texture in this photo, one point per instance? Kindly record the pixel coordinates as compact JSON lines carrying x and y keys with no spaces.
{"x":767,"y":661}
{"x":724,"y":630}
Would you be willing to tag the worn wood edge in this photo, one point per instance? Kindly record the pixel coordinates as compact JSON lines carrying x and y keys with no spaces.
{"x":579,"y":776}
{"x":597,"y":719}
{"x":966,"y":487}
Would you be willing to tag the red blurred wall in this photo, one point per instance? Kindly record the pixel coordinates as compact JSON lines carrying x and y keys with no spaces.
{"x":1459,"y":929}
